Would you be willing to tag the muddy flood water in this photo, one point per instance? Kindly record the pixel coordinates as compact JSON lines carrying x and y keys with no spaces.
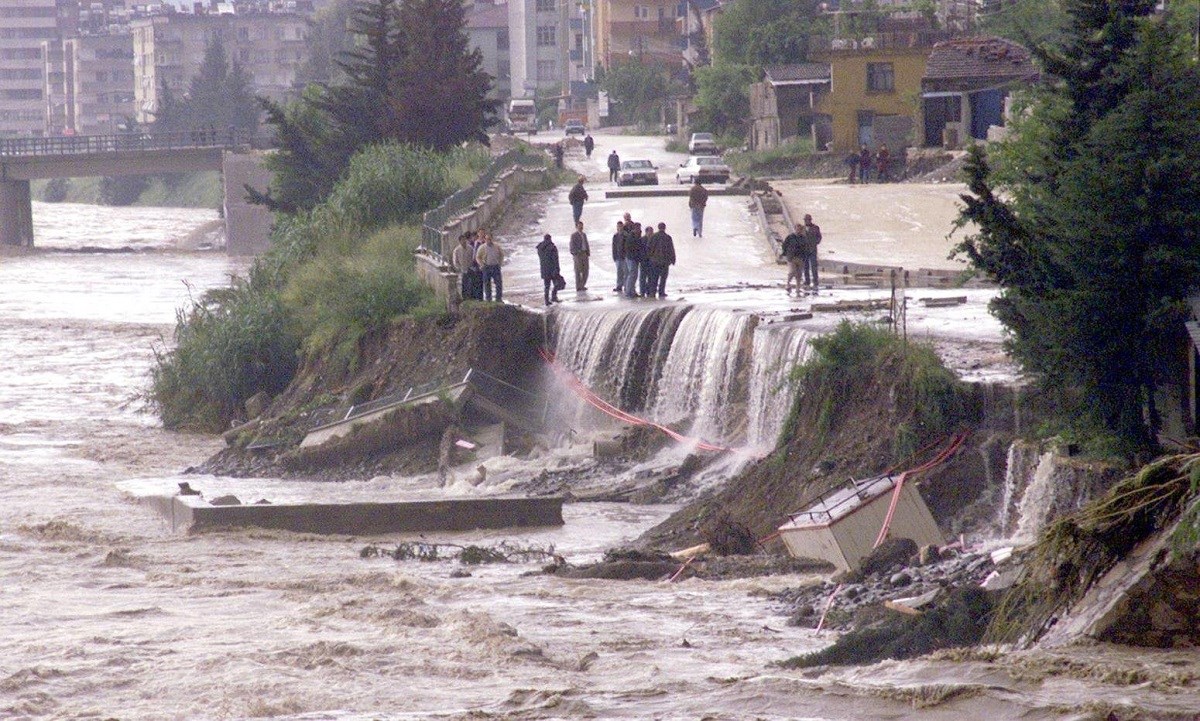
{"x":108,"y":613}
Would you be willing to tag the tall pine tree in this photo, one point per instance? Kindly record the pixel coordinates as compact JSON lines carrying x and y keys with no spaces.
{"x":444,"y":100}
{"x":412,"y":79}
{"x":1090,"y":219}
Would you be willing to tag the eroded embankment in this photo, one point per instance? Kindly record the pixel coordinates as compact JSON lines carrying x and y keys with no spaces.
{"x":499,"y":340}
{"x":868,"y":405}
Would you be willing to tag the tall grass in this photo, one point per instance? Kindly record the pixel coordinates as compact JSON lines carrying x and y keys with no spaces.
{"x":860,"y":361}
{"x":332,"y":274}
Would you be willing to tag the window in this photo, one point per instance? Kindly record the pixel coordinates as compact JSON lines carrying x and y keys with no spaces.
{"x":547,"y":36}
{"x":641,"y":12}
{"x":545,"y":6}
{"x":547,"y":69}
{"x":881,"y":77}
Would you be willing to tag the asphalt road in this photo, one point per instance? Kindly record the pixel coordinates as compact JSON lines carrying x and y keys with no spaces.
{"x":732,"y":250}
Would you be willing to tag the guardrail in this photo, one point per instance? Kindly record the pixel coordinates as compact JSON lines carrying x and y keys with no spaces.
{"x":90,"y":144}
{"x":434,"y":220}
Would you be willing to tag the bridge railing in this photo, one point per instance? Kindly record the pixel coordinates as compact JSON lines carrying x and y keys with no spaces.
{"x":89,"y":144}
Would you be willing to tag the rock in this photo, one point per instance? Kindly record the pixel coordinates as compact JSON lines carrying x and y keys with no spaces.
{"x":256,"y":404}
{"x":900,"y":579}
{"x":185,"y":489}
{"x":227,"y":500}
{"x":460,"y":573}
{"x":929,"y":554}
{"x":891,"y":553}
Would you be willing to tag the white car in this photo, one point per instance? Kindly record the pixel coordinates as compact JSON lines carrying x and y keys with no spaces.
{"x":706,"y":168}
{"x":703,"y":144}
{"x":637,"y":172}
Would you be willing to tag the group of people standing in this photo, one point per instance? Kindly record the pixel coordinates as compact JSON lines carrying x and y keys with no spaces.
{"x":477,"y":259}
{"x":862,"y":162}
{"x":643,"y":258}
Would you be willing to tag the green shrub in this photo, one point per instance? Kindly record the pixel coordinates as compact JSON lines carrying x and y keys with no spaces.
{"x":773,"y":160}
{"x":333,"y":273}
{"x":230,"y":344}
{"x":338,"y":297}
{"x":845,"y":363}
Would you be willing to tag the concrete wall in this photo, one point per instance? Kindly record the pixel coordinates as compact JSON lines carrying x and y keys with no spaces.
{"x":247,"y":227}
{"x":435,"y":270}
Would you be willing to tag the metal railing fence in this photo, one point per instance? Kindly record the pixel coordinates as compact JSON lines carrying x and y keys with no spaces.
{"x":89,"y":144}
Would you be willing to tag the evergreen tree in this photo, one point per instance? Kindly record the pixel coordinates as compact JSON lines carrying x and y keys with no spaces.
{"x":445,"y":101}
{"x":218,"y":97}
{"x":1090,"y":219}
{"x":411,"y":79}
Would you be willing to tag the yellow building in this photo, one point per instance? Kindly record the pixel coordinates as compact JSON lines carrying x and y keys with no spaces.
{"x":875,"y":88}
{"x":642,"y":30}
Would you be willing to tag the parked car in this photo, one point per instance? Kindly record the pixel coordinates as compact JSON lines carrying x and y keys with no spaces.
{"x":703,"y":144}
{"x":574,"y":127}
{"x":708,"y":168}
{"x":637,"y":172}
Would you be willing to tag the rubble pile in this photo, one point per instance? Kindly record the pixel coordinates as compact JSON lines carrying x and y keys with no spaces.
{"x":859,"y":597}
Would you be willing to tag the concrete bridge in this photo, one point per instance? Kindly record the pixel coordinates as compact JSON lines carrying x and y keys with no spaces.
{"x":26,"y":159}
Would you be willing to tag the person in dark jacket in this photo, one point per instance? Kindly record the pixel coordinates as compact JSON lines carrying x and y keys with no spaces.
{"x":558,"y":155}
{"x":812,"y":238}
{"x":548,"y":261}
{"x":662,"y":257}
{"x":589,"y":144}
{"x":577,"y":197}
{"x":697,"y":199}
{"x":645,"y":280}
{"x":635,"y":255}
{"x":614,"y":166}
{"x":864,"y":164}
{"x":793,"y":254}
{"x":618,"y":254}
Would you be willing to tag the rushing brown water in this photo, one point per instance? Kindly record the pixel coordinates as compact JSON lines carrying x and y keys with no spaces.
{"x":106,"y":613}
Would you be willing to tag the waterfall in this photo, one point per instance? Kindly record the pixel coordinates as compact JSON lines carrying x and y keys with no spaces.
{"x":1057,"y":485}
{"x":777,"y":351}
{"x":716,"y":374}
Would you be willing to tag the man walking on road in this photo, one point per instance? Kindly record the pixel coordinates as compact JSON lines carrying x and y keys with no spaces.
{"x":812,"y":238}
{"x":662,"y":257}
{"x":577,"y":196}
{"x":697,"y":199}
{"x":618,"y":254}
{"x":490,"y":257}
{"x":581,"y":253}
{"x":614,"y":166}
{"x":589,"y":144}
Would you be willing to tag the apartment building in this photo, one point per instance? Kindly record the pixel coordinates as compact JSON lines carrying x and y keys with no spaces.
{"x":647,"y":31}
{"x":487,"y":31}
{"x":99,"y":82}
{"x":25,"y":26}
{"x":170,"y":47}
{"x":548,"y":46}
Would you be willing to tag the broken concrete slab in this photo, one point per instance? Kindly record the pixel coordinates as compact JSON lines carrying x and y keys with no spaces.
{"x":193,"y":514}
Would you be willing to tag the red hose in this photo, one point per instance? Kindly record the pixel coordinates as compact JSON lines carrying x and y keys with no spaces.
{"x":585,"y":393}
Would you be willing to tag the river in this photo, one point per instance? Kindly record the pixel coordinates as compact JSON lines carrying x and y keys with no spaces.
{"x":109,"y":614}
